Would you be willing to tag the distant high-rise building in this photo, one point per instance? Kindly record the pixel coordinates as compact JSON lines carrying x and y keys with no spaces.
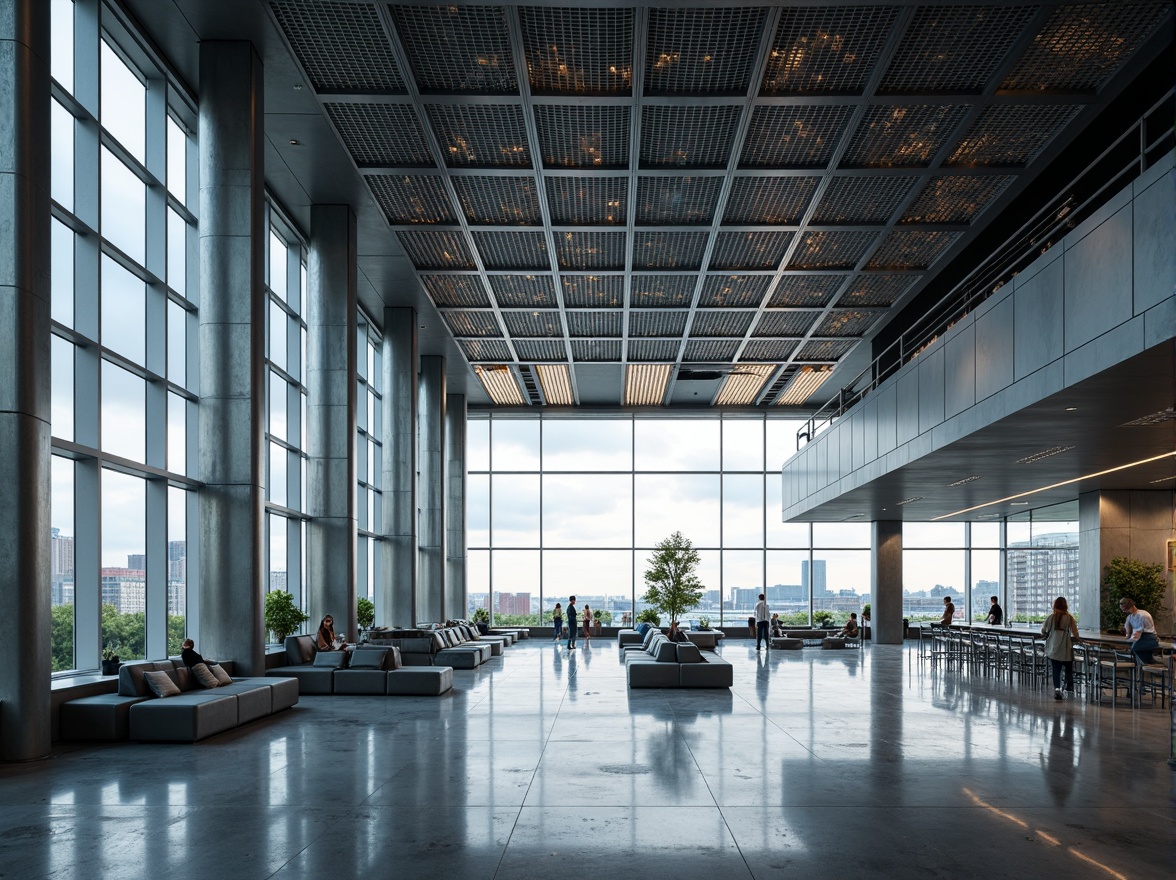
{"x":125,"y":589}
{"x":177,"y":561}
{"x":137,"y":561}
{"x":816,"y":583}
{"x":512,"y":603}
{"x":62,"y":554}
{"x":1040,"y":570}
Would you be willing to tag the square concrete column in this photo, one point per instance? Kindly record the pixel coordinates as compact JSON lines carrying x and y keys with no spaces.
{"x":395,"y":596}
{"x":232,"y":354}
{"x":431,"y":585}
{"x":456,"y":595}
{"x":331,"y":280}
{"x":886,"y":583}
{"x":25,"y":574}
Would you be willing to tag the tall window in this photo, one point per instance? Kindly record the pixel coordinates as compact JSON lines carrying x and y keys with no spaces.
{"x":286,"y":407}
{"x":1043,"y":562}
{"x":368,"y":452}
{"x":123,"y":304}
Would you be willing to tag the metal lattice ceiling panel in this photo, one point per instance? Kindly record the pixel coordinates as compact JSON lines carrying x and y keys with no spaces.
{"x":381,"y":134}
{"x":591,"y":250}
{"x":458,"y":48}
{"x":827,"y":350}
{"x":341,"y":46}
{"x":655,"y":350}
{"x":578,"y":51}
{"x":593,"y":291}
{"x":768,"y":350}
{"x":540,"y":350}
{"x":668,"y":250}
{"x":831,"y":250}
{"x":772,"y":201}
{"x":676,"y":201}
{"x":498,"y":201}
{"x":848,"y":322}
{"x":662,"y":291}
{"x":524,"y":291}
{"x":687,"y":137}
{"x":456,"y":290}
{"x":600,"y":324}
{"x":953,"y":49}
{"x":1011,"y":135}
{"x":471,"y":323}
{"x":911,"y":249}
{"x":596,"y":349}
{"x":513,"y":250}
{"x":956,"y":198}
{"x":701,"y":51}
{"x":860,"y":199}
{"x":876,"y":289}
{"x":901,"y":136}
{"x":826,"y":50}
{"x":749,"y":250}
{"x":721,"y":323}
{"x":1082,"y":45}
{"x":665,"y":323}
{"x":485,"y":350}
{"x":588,"y":201}
{"x":793,"y":137}
{"x":481,"y":135}
{"x":412,"y":199}
{"x":703,"y":350}
{"x":535,"y":324}
{"x":734,"y":291}
{"x":786,"y":323}
{"x":436,"y":250}
{"x":801,"y":291}
{"x":583,"y":136}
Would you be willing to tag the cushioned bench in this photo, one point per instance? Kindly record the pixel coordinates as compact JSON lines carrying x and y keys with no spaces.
{"x":369,"y":670}
{"x":666,"y":664}
{"x":786,"y":643}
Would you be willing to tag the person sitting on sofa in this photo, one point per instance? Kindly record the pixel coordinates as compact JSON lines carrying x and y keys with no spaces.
{"x":188,"y":653}
{"x":675,"y":634}
{"x":326,"y":640}
{"x":850,"y":630}
{"x":776,"y":629}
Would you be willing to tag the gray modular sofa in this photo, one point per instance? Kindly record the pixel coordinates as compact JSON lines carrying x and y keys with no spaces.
{"x":665,"y":664}
{"x":134,"y":712}
{"x":437,"y":647}
{"x":366,"y":670}
{"x":707,"y":639}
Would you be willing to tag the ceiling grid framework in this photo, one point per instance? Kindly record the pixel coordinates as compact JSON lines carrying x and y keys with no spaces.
{"x":750,"y":190}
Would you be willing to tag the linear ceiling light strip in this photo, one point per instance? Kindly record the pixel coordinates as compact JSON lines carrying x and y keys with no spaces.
{"x":743,"y":386}
{"x":500,"y":384}
{"x":803,"y":384}
{"x":645,"y":384}
{"x":557,"y":384}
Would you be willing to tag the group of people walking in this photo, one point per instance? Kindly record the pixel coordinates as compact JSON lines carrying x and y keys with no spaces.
{"x":557,"y":621}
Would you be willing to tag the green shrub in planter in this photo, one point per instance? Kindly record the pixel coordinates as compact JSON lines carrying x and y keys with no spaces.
{"x":365,"y":612}
{"x":282,"y":616}
{"x":1142,"y":581}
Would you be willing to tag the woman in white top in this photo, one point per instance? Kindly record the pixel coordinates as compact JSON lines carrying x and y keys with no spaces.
{"x":587,"y":624}
{"x":1061,"y":631}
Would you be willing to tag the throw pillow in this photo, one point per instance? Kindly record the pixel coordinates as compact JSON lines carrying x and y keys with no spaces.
{"x":331,"y":659}
{"x":160,"y":684}
{"x":667,"y":652}
{"x":688,"y":653}
{"x":204,"y":675}
{"x":643,"y":628}
{"x":392,"y":659}
{"x":184,"y":680}
{"x":367,"y":658}
{"x":222,"y":677}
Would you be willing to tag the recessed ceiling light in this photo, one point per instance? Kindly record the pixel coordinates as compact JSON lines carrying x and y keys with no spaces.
{"x":1162,"y":479}
{"x":298,"y":87}
{"x":1071,"y":409}
{"x":962,"y":482}
{"x":293,"y":142}
{"x":1157,"y":418}
{"x":1020,"y":503}
{"x":1045,"y":453}
{"x":913,"y":498}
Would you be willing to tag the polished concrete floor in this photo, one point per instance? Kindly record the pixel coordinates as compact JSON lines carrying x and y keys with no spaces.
{"x":543,"y":764}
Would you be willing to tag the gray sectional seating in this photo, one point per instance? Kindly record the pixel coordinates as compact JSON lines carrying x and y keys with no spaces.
{"x":459,"y":646}
{"x":196,"y":713}
{"x":372,"y":670}
{"x":665,"y":664}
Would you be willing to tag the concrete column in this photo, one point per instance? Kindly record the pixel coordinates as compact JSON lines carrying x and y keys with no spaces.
{"x":331,"y":280}
{"x":24,"y":379}
{"x":456,"y":594}
{"x":431,"y":586}
{"x":232,"y":353}
{"x":886,"y":583}
{"x":395,"y":596}
{"x":1135,"y":524}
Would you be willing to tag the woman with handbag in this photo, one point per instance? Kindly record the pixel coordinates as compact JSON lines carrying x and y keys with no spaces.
{"x":1061,"y":632}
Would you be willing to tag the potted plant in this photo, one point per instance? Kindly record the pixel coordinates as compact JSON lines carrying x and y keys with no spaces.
{"x":1142,"y":581}
{"x":365,"y":612}
{"x":704,"y":623}
{"x":866,"y":612}
{"x":671,"y":579}
{"x":596,"y":622}
{"x":649,"y":615}
{"x":110,"y":662}
{"x":282,"y":616}
{"x":822,"y":619}
{"x":481,"y":619}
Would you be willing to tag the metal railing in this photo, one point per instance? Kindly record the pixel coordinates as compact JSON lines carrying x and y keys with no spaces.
{"x":1130,"y":155}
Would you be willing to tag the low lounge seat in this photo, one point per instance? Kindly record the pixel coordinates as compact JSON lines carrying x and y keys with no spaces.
{"x":666,"y":664}
{"x":375,"y":670}
{"x":787,"y":643}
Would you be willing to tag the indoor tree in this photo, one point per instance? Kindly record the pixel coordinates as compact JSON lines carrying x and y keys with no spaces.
{"x":1142,"y":581}
{"x":671,"y":579}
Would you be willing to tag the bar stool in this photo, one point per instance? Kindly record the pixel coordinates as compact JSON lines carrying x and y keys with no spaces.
{"x":1116,"y":669}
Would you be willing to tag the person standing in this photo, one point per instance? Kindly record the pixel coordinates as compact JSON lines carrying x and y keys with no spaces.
{"x":1141,"y":630}
{"x":571,"y":622}
{"x":587,"y":624}
{"x":995,"y":613}
{"x":557,"y":621}
{"x":1060,"y":631}
{"x":762,"y":615}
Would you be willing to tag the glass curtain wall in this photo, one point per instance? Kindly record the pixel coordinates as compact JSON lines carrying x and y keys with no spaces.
{"x":575,"y":506}
{"x":124,"y":297}
{"x":286,"y":407}
{"x":956,"y":560}
{"x":369,"y":453}
{"x":1043,"y":562}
